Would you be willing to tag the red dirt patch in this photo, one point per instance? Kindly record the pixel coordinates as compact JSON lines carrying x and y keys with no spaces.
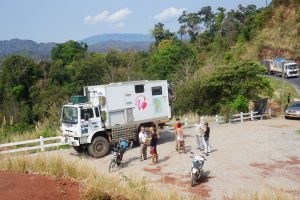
{"x":18,"y":186}
{"x":168,"y":179}
{"x":199,"y":190}
{"x":153,"y":170}
{"x":269,"y":168}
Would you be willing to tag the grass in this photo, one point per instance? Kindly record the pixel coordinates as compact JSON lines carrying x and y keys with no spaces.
{"x":288,"y":88}
{"x":10,"y":134}
{"x":266,"y":194}
{"x":93,"y":184}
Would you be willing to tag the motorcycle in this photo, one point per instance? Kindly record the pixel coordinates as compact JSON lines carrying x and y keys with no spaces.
{"x":118,"y":152}
{"x":116,"y":160}
{"x":197,"y":169}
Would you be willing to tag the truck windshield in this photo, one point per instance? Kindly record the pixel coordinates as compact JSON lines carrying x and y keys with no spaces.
{"x":70,"y":115}
{"x":292,"y":67}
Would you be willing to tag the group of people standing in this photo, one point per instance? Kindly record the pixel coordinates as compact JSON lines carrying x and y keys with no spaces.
{"x":202,"y":131}
{"x":145,"y":140}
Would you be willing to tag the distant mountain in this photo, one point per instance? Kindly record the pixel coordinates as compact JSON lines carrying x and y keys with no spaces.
{"x":98,"y":43}
{"x":119,"y":45}
{"x":25,"y":47}
{"x":118,"y":37}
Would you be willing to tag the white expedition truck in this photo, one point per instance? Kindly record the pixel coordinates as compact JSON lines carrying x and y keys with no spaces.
{"x":290,"y":68}
{"x":108,"y":112}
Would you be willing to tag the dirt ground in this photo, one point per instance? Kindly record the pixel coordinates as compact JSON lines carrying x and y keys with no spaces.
{"x":17,"y":186}
{"x":245,"y":158}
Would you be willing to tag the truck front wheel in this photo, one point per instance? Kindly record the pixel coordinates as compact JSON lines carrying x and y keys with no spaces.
{"x":80,"y":149}
{"x":99,"y":147}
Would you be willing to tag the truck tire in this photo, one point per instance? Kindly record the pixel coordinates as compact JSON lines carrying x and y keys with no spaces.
{"x":99,"y":147}
{"x":78,"y":149}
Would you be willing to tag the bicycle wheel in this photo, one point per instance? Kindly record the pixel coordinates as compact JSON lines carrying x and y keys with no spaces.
{"x":112,"y":166}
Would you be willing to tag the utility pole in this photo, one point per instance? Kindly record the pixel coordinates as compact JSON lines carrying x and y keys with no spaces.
{"x":266,"y":3}
{"x":282,"y":87}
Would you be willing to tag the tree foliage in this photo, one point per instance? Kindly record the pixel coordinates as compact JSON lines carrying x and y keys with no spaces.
{"x":224,"y":86}
{"x":33,"y":91}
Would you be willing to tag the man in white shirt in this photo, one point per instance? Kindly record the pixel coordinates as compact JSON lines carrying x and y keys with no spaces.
{"x":143,"y":143}
{"x":199,"y":128}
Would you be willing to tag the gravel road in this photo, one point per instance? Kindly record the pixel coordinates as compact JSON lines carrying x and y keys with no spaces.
{"x":245,"y":158}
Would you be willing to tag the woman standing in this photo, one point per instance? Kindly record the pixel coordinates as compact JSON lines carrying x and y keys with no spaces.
{"x":206,"y":139}
{"x":153,"y":145}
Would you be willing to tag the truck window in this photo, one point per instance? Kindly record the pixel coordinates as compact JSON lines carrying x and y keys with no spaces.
{"x":156,"y":90}
{"x":139,"y":88}
{"x":97,"y":112}
{"x":88,"y":112}
{"x":70,"y":115}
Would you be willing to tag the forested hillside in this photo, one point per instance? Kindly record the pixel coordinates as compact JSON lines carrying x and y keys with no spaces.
{"x":215,"y":71}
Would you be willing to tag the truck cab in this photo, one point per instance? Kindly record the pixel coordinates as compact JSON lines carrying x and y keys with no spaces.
{"x":291,"y":70}
{"x":79,"y":123}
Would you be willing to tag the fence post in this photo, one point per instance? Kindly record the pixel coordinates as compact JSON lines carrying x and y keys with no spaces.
{"x":261,"y":116}
{"x":270,"y":113}
{"x":42,"y":143}
{"x":217,"y":120}
{"x":242,"y":117}
{"x":251,"y":115}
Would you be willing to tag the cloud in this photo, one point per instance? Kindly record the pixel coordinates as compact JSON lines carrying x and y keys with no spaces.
{"x":115,"y":19}
{"x":168,"y":14}
{"x":119,"y":25}
{"x":120,"y":15}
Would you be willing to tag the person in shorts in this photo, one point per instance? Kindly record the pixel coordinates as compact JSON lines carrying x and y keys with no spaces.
{"x":180,"y":138}
{"x":153,"y":145}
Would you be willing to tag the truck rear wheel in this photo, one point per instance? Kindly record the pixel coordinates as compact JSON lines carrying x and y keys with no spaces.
{"x":99,"y":147}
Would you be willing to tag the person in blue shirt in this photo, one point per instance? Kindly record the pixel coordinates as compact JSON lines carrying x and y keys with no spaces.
{"x":123,"y":146}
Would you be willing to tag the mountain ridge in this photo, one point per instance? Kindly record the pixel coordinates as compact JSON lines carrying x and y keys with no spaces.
{"x":96,"y":43}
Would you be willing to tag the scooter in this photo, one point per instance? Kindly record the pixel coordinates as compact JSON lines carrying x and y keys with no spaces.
{"x":197,"y":169}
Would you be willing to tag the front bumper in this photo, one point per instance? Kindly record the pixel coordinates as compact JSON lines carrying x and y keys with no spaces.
{"x":71,"y":141}
{"x":295,"y":114}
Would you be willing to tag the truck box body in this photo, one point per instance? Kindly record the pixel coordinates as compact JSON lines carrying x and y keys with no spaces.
{"x":276,"y":66}
{"x":131,"y":102}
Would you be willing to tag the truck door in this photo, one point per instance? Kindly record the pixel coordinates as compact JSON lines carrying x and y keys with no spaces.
{"x":98,"y":118}
{"x":87,"y":114}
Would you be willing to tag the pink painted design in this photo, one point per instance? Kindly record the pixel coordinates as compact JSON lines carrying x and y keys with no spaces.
{"x":141,"y":102}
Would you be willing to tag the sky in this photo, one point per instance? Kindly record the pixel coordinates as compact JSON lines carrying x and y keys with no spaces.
{"x":62,"y":20}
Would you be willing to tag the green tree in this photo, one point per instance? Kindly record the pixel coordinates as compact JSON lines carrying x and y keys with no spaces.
{"x":69,"y":51}
{"x":166,"y":59}
{"x":225,"y":86}
{"x":190,"y":23}
{"x":17,"y":76}
{"x":159,"y":33}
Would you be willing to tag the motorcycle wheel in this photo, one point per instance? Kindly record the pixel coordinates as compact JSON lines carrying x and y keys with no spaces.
{"x":112,"y":166}
{"x":193,"y":179}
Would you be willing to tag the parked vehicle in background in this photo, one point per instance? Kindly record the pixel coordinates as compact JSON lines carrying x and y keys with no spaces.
{"x":275,"y":66}
{"x":109,"y":112}
{"x":293,"y":110}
